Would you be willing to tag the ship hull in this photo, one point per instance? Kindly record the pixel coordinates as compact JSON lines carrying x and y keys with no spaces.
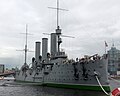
{"x":66,"y":76}
{"x":77,"y":86}
{"x":68,"y":86}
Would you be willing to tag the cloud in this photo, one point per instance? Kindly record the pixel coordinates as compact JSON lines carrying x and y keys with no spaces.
{"x":91,"y":22}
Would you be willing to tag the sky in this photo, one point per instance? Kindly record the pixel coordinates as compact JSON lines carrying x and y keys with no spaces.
{"x":91,"y":22}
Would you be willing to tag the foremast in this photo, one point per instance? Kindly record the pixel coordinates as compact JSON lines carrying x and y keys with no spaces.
{"x":26,"y":46}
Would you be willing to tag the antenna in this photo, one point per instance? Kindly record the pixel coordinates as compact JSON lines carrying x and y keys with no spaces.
{"x":58,"y":12}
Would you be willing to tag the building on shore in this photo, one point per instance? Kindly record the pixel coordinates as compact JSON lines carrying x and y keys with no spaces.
{"x":113,"y":60}
{"x":2,"y":68}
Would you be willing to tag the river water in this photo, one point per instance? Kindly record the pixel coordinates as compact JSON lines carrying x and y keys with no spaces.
{"x":9,"y":88}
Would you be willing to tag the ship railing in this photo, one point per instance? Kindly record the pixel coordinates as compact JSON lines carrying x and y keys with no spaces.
{"x":88,"y":59}
{"x":85,"y":59}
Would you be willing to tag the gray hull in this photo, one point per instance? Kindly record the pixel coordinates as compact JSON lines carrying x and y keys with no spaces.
{"x":80,"y":75}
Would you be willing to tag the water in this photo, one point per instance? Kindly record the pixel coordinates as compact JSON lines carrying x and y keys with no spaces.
{"x":10,"y":88}
{"x":43,"y":91}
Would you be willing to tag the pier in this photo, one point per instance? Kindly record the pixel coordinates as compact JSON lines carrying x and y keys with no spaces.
{"x":7,"y":73}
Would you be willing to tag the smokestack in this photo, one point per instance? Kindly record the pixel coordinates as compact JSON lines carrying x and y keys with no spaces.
{"x":37,"y":51}
{"x":44,"y":48}
{"x":53,"y":44}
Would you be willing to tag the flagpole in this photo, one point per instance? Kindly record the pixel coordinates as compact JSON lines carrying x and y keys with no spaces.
{"x":105,"y":49}
{"x":106,"y":45}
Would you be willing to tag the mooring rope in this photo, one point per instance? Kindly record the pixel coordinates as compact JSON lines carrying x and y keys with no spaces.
{"x":101,"y":85}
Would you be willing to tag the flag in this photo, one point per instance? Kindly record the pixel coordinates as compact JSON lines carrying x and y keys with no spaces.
{"x":106,"y":45}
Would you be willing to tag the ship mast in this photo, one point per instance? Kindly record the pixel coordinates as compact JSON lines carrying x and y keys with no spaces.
{"x":58,"y":30}
{"x":57,"y":13}
{"x":26,"y":39}
{"x":26,"y":45}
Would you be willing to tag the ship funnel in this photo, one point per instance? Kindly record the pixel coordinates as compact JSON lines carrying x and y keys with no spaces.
{"x":53,"y":44}
{"x":44,"y":48}
{"x":37,"y":51}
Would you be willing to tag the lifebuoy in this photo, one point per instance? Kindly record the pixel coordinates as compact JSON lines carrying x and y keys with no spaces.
{"x":116,"y":92}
